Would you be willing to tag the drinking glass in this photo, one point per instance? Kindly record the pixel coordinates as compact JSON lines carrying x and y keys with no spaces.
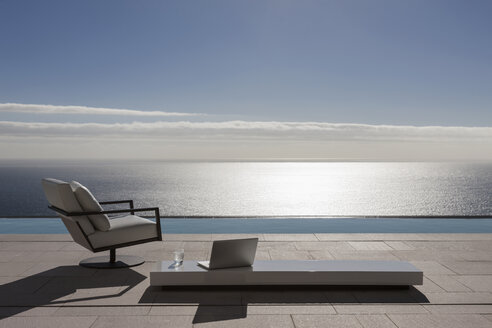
{"x":178,"y":256}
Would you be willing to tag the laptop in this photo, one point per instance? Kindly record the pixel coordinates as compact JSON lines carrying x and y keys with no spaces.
{"x":231,"y":253}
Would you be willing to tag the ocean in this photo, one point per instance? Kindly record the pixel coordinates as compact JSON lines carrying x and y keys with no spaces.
{"x":240,"y":189}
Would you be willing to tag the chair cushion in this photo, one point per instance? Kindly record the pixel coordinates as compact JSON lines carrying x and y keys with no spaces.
{"x":89,"y":204}
{"x":124,"y":229}
{"x":60,"y":194}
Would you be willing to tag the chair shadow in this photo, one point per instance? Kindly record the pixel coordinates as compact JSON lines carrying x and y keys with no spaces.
{"x":54,"y":287}
{"x":218,"y":303}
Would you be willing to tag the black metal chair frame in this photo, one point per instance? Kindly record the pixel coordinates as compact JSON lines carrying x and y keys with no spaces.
{"x":123,"y":261}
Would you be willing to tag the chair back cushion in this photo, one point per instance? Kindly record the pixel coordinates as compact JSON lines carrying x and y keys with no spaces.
{"x":90,"y":204}
{"x":60,"y":194}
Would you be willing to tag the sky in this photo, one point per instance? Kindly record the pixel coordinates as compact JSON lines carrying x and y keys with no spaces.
{"x":241,"y":80}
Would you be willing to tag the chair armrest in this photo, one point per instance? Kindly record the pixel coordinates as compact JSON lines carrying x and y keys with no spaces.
{"x":129,"y":201}
{"x":129,"y":210}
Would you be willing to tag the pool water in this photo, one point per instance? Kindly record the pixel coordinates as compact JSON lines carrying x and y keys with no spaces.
{"x":231,"y":225}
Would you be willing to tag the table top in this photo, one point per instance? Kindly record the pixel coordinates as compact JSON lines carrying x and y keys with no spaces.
{"x":296,"y":266}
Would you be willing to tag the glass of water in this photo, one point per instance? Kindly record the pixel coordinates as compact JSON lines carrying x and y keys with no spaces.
{"x":179,"y":256}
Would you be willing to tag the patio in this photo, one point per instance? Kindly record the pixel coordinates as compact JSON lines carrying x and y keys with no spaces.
{"x":42,"y":285}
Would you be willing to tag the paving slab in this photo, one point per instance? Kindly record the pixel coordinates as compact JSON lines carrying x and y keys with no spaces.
{"x":41,"y":284}
{"x":439,"y":320}
{"x":375,"y":321}
{"x":462,"y":308}
{"x":320,"y":321}
{"x":451,"y":283}
{"x":379,"y":308}
{"x":260,"y":321}
{"x":370,"y":246}
{"x":478,"y":283}
{"x":48,"y":322}
{"x":143,"y":321}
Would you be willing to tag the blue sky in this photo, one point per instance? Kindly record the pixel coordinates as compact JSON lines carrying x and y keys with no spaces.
{"x":401,"y":63}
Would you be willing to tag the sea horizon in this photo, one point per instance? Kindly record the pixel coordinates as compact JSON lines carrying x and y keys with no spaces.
{"x":261,"y":189}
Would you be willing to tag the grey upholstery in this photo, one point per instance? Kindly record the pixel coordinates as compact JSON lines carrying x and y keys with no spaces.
{"x":124,"y":229}
{"x":89,"y":204}
{"x":59,"y":194}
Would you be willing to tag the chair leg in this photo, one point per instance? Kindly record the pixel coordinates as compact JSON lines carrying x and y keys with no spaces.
{"x":112,"y":262}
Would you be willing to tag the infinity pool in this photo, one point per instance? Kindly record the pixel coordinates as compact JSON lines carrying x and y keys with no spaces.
{"x":231,"y":225}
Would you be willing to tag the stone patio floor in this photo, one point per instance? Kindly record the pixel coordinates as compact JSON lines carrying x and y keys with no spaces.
{"x":41,"y":285}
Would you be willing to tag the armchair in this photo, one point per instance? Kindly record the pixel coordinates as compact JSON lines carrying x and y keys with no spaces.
{"x":90,"y":227}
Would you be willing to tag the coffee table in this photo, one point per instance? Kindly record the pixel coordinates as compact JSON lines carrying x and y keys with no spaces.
{"x":331,"y":272}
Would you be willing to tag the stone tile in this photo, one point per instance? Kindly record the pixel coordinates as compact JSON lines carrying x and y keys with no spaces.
{"x":276,"y":254}
{"x":221,"y":236}
{"x":202,"y":297}
{"x":263,"y":255}
{"x":7,"y":256}
{"x":143,"y":321}
{"x":472,"y":255}
{"x":291,"y":309}
{"x":57,"y":269}
{"x":270,"y":321}
{"x":319,"y":321}
{"x":379,"y":308}
{"x":459,"y":298}
{"x":26,"y":311}
{"x":61,"y":237}
{"x":385,"y":296}
{"x":375,"y":321}
{"x":88,"y":285}
{"x":445,"y":245}
{"x":370,"y":246}
{"x":187,"y":237}
{"x":77,"y":311}
{"x":47,"y":322}
{"x":265,"y":295}
{"x":449,"y":283}
{"x":427,"y":255}
{"x":430,"y":286}
{"x":159,"y":309}
{"x":470,"y":267}
{"x":478,"y":283}
{"x":290,"y":237}
{"x":439,"y":320}
{"x":363,"y":255}
{"x":267,"y":245}
{"x":11,"y":285}
{"x":197,"y":246}
{"x":456,"y":236}
{"x":168,"y":255}
{"x":14,"y":269}
{"x":321,"y":255}
{"x":460,"y":309}
{"x":432,"y":267}
{"x":32,"y":246}
{"x":340,"y":296}
{"x":399,"y":245}
{"x":323,"y":246}
{"x":367,"y":236}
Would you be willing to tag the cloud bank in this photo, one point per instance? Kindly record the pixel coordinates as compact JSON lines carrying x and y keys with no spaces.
{"x":84,"y":110}
{"x":248,"y":130}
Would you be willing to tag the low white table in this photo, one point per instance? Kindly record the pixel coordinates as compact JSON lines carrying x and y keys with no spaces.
{"x":332,"y":272}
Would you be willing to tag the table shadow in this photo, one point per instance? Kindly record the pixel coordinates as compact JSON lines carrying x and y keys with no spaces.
{"x":218,"y":303}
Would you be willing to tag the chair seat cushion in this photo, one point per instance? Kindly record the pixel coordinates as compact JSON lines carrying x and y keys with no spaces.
{"x":124,"y":229}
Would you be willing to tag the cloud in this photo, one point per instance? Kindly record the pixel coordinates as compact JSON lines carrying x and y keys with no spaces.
{"x":52,"y":109}
{"x":250,"y":130}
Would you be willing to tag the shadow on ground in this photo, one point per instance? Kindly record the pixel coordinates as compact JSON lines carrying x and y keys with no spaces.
{"x":57,"y":286}
{"x":78,"y":286}
{"x":226,"y":303}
